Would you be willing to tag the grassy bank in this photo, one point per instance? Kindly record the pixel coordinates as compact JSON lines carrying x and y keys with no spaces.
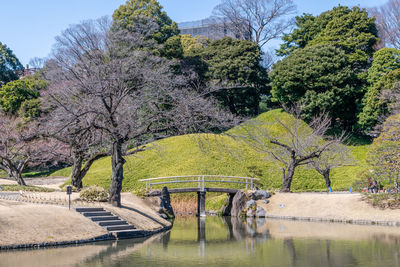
{"x":219,"y":155}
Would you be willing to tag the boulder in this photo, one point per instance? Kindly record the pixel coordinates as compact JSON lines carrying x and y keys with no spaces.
{"x":238,"y":204}
{"x":266,"y":201}
{"x":154,"y":193}
{"x":251,"y":213}
{"x":227,"y":207}
{"x":165,"y":205}
{"x":260,"y":212}
{"x":260,"y":194}
{"x":251,"y":204}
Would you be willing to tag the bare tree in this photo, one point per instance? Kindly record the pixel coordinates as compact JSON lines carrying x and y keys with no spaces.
{"x":336,"y":155}
{"x":21,"y":146}
{"x":109,"y":79}
{"x":289,"y":141}
{"x":384,"y":154}
{"x":85,"y":145}
{"x":388,"y":22}
{"x":256,"y":20}
{"x":37,"y":62}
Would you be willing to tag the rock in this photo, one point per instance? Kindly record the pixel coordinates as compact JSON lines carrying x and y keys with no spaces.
{"x":154,"y":193}
{"x":250,"y":213}
{"x":251,"y":204}
{"x":266,"y":201}
{"x":238,"y":204}
{"x":260,"y":194}
{"x":166,"y":203}
{"x":164,"y":216}
{"x":226,"y":209}
{"x":260,"y":212}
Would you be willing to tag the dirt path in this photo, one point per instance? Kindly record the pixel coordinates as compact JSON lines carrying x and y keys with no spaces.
{"x":344,"y":206}
{"x":53,"y":182}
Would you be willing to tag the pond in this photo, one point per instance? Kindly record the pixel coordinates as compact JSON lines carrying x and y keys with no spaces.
{"x":225,"y":241}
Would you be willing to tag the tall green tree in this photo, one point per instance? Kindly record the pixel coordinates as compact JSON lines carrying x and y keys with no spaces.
{"x":234,"y":70}
{"x":9,"y":65}
{"x":321,"y":79}
{"x":167,"y":33}
{"x":348,"y":28}
{"x":382,"y":75}
{"x":332,"y":52}
{"x":20,"y":96}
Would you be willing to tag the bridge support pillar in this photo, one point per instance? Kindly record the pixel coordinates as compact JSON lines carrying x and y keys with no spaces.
{"x":201,"y":203}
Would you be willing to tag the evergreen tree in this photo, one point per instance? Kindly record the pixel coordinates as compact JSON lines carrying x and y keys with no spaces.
{"x":9,"y":65}
{"x":320,"y":78}
{"x":167,"y":33}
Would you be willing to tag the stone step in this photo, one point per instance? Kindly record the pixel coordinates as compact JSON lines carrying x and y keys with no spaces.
{"x":128,"y":234}
{"x":95,"y":214}
{"x":108,"y":223}
{"x":89,"y":209}
{"x":105,"y":218}
{"x":120,"y":227}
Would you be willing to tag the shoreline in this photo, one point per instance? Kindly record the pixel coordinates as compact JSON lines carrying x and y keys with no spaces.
{"x":106,"y":237}
{"x":330,"y":220}
{"x":34,"y":225}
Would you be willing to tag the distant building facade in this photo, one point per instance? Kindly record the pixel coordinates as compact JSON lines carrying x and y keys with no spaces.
{"x":27,"y":71}
{"x":209,"y":28}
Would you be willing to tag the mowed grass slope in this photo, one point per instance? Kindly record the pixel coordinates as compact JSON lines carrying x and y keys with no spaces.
{"x":220,"y":155}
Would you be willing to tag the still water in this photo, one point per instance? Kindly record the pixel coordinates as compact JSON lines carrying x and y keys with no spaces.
{"x":218,"y":241}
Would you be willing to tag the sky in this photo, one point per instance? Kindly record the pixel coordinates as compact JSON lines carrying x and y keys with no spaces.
{"x":29,"y":27}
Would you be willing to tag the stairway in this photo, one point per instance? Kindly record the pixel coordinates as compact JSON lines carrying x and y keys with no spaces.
{"x":113,"y":224}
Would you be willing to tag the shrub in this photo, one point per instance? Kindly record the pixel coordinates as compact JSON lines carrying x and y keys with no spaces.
{"x":94,"y":193}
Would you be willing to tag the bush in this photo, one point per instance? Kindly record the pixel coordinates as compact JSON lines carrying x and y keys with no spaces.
{"x":94,"y":193}
{"x":383,"y":200}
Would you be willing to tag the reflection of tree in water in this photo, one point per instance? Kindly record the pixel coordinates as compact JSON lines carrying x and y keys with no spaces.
{"x":317,"y":253}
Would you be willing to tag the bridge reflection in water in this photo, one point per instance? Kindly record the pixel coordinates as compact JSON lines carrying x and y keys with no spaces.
{"x":231,"y":229}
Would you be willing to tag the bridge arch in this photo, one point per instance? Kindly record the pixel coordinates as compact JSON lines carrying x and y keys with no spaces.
{"x":201,"y":181}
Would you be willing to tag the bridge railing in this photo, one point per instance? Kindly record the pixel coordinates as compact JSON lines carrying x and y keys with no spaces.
{"x":201,"y":180}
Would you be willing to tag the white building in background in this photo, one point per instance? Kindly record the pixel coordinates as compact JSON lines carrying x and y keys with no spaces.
{"x":207,"y":28}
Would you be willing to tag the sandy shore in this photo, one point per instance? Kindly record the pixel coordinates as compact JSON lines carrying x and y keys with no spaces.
{"x":24,"y":223}
{"x":33,"y":223}
{"x":344,"y":206}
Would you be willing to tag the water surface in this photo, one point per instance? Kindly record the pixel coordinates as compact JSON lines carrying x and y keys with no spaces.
{"x":218,"y":241}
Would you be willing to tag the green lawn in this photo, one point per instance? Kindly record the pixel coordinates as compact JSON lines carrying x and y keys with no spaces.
{"x":219,"y":155}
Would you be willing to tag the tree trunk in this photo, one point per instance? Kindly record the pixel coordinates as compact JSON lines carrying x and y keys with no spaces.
{"x":288,"y":177}
{"x":76,"y":177}
{"x":78,"y":172}
{"x":14,"y":173}
{"x":327,"y":179}
{"x":19,"y":179}
{"x":117,"y":162}
{"x":14,"y":170}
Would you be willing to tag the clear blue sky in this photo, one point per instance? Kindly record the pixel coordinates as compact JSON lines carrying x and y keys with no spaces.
{"x":28,"y":27}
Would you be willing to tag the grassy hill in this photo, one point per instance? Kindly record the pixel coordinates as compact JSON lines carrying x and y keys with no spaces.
{"x":219,"y":155}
